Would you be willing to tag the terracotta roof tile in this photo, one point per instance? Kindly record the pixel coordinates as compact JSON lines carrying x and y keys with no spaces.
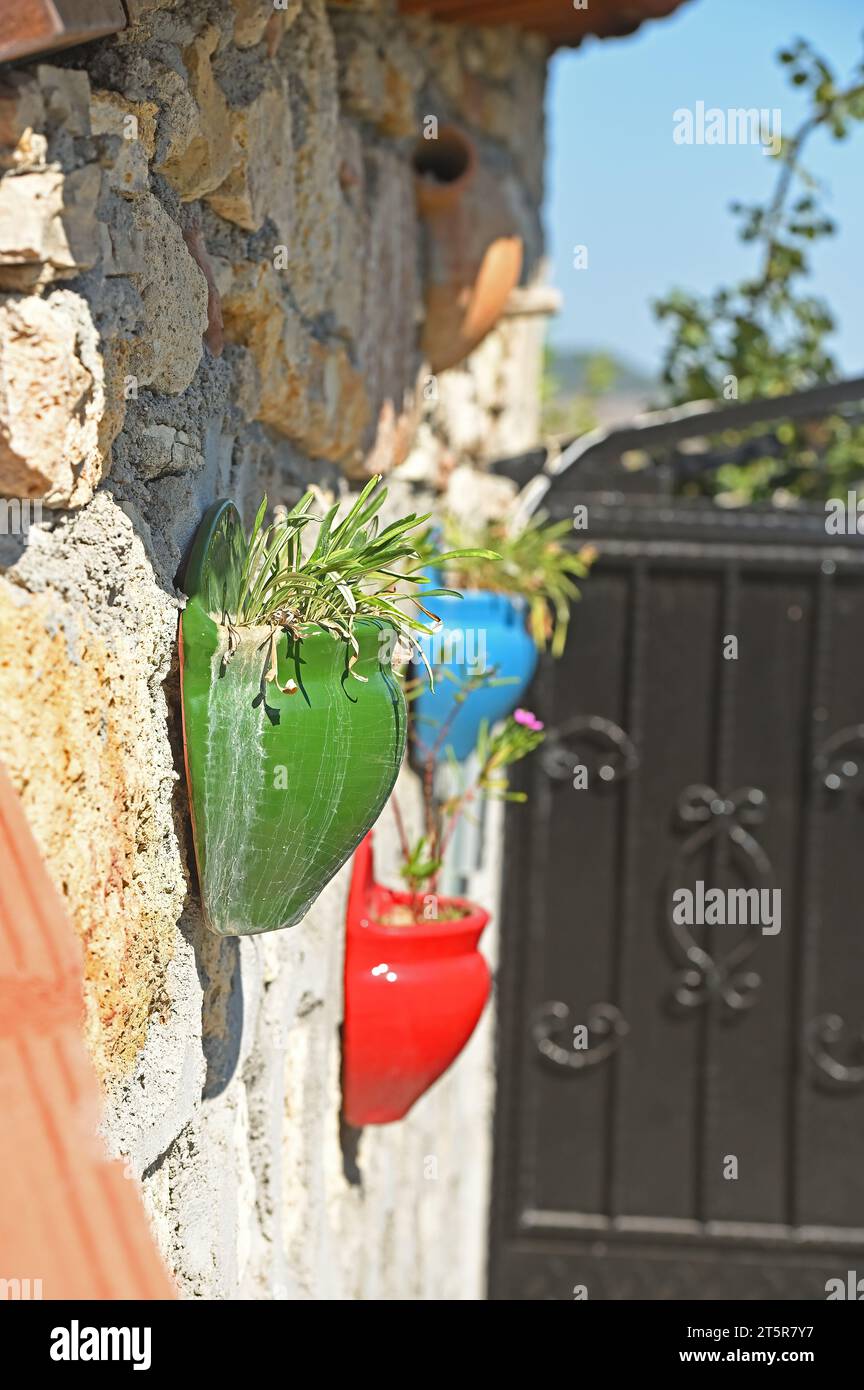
{"x":557,"y":19}
{"x":69,"y":1218}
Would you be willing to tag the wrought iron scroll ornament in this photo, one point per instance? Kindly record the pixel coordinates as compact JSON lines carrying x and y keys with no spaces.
{"x":712,"y":816}
{"x":839,"y":763}
{"x":840,"y":760}
{"x":618,"y":756}
{"x":826,"y":1032}
{"x":554,"y":1021}
{"x":553,"y":1024}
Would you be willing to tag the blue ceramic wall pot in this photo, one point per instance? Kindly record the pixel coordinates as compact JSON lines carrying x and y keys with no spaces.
{"x":481,"y":630}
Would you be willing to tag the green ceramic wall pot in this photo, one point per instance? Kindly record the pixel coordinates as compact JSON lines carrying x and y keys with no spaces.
{"x":285,"y":778}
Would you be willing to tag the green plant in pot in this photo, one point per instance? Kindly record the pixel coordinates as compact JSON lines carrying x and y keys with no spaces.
{"x":293,"y":722}
{"x":515,"y":606}
{"x":532,"y":563}
{"x":497,"y":750}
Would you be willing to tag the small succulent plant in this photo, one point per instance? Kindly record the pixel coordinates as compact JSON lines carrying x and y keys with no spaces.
{"x":533,"y":563}
{"x":496,"y":750}
{"x":352,"y":570}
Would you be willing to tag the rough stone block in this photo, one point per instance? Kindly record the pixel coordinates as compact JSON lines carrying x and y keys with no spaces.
{"x":259,"y":185}
{"x":92,"y":761}
{"x":162,"y":449}
{"x":254,"y":19}
{"x":174,"y":294}
{"x":52,"y":399}
{"x":66,"y":93}
{"x":310,"y":392}
{"x":48,"y":227}
{"x":146,"y":1109}
{"x":380,"y":82}
{"x":200,"y":144}
{"x":112,"y":115}
{"x":316,"y":161}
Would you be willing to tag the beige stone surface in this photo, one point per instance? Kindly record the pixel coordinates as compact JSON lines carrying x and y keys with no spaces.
{"x":48,"y":227}
{"x":380,"y":83}
{"x":387,"y":350}
{"x":166,"y":353}
{"x":48,"y":213}
{"x":260,"y":183}
{"x":316,"y":162}
{"x":75,"y":739}
{"x":201,"y":150}
{"x":309,"y":391}
{"x":253,"y":17}
{"x":66,"y":94}
{"x":134,"y":124}
{"x":164,"y":449}
{"x":52,"y":399}
{"x":352,"y":235}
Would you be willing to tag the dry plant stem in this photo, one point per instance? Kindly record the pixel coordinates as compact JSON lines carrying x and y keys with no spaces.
{"x":432,"y":755}
{"x":429,"y":798}
{"x":405,"y":849}
{"x":272,"y":665}
{"x":400,"y":829}
{"x":465,"y":799}
{"x":438,"y":837}
{"x":446,"y":833}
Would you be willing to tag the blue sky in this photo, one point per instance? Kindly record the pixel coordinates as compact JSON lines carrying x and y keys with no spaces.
{"x":653,"y":214}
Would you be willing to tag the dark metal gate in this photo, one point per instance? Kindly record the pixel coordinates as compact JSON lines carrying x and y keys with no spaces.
{"x":612,"y":1174}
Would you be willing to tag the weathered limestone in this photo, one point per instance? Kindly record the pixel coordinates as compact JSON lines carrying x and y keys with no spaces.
{"x":379,"y":82}
{"x":134,"y":125}
{"x":83,"y":737}
{"x":48,"y":225}
{"x":66,"y":94}
{"x":200,"y":148}
{"x":253,"y":162}
{"x":387,"y":338}
{"x":309,"y":392}
{"x":316,"y":162}
{"x":255,"y":19}
{"x":52,"y":399}
{"x":163,"y":449}
{"x":259,"y":184}
{"x":174,"y":295}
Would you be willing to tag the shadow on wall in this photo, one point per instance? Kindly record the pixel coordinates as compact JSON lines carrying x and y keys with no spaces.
{"x":217,"y":958}
{"x":219,"y":971}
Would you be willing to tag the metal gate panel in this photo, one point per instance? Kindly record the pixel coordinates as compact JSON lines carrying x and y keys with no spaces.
{"x":705,"y":1042}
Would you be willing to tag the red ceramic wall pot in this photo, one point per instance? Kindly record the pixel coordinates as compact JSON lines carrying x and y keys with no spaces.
{"x":413,"y":996}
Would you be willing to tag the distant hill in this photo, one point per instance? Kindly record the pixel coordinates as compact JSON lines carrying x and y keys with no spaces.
{"x":571,"y":369}
{"x":586,"y":387}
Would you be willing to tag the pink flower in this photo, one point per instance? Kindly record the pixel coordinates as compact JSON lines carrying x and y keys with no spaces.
{"x":528,"y":720}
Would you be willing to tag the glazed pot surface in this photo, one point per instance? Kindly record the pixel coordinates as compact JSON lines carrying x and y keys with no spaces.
{"x":413,"y":997}
{"x":283,"y":786}
{"x":479,"y":630}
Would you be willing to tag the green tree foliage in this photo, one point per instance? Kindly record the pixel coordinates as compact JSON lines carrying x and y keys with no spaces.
{"x":766,"y":336}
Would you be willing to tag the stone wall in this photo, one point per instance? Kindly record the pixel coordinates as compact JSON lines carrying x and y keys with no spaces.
{"x":211,"y":284}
